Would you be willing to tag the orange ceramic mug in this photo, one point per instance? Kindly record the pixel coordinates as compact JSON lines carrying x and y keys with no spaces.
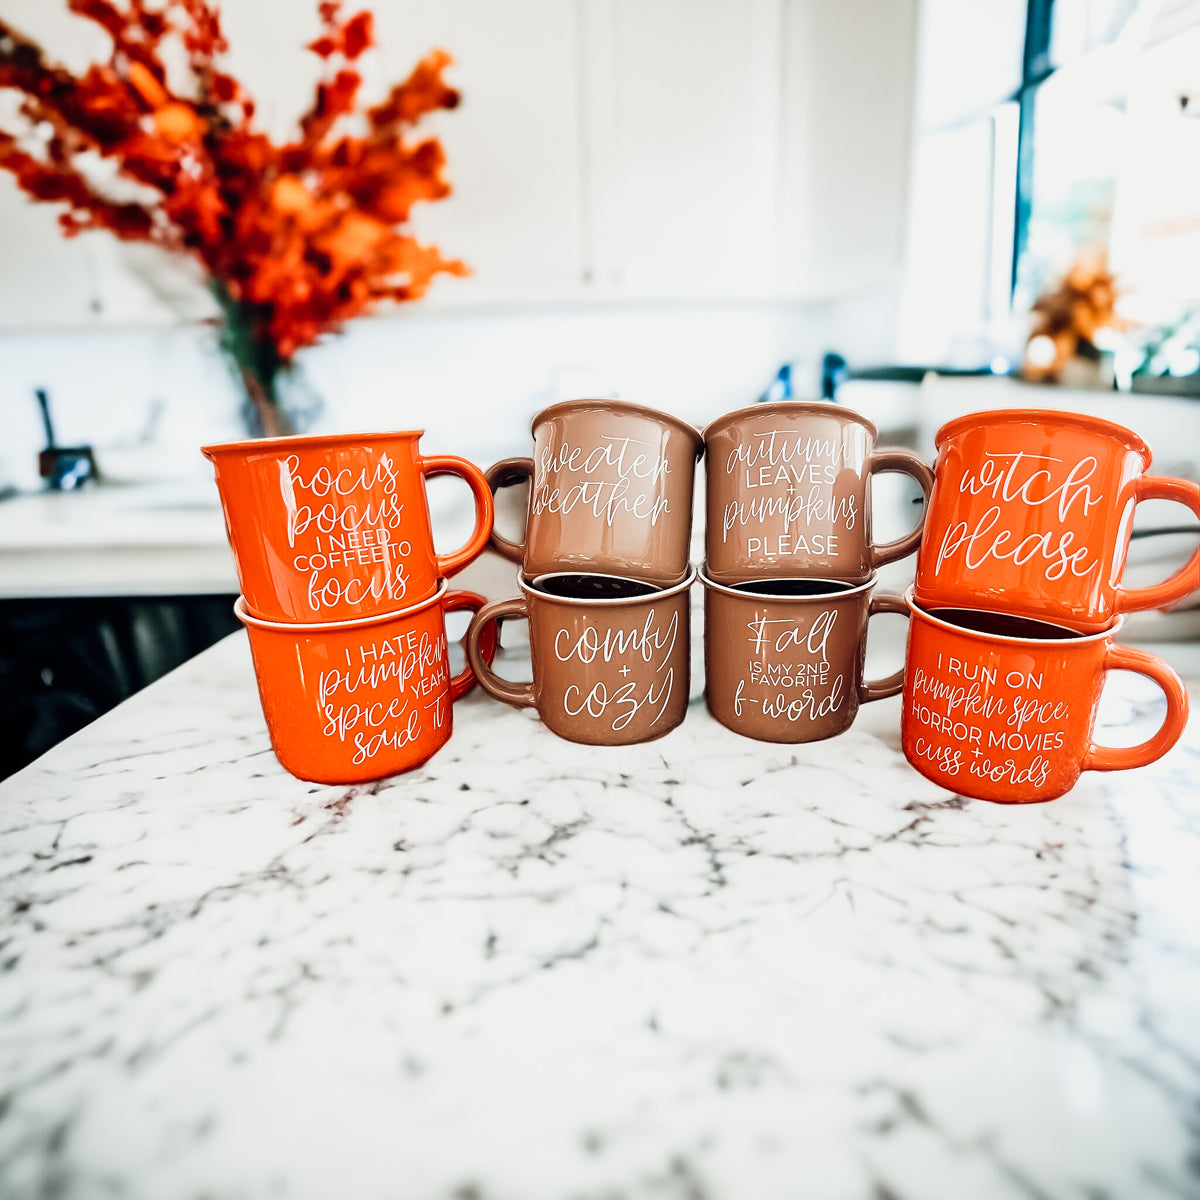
{"x":1031,"y":513}
{"x":347,"y":701}
{"x":336,"y":527}
{"x":1001,"y":707}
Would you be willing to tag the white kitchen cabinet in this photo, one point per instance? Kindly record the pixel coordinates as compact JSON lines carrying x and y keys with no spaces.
{"x":44,"y":279}
{"x":848,"y":79}
{"x":513,"y":147}
{"x":605,"y":150}
{"x":682,"y":100}
{"x":748,"y":149}
{"x":92,"y":279}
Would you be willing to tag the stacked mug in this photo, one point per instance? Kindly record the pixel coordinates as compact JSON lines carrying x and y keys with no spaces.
{"x":1018,"y":599}
{"x":789,"y":575}
{"x":604,"y":572}
{"x":344,"y":597}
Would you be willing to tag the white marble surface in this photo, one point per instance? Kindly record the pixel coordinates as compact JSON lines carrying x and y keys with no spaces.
{"x":698,"y":969}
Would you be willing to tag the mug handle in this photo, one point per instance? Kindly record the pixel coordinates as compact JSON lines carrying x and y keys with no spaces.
{"x":1159,"y":595}
{"x":482,"y":633}
{"x":505,"y":473}
{"x":880,"y":689}
{"x":449,"y":464}
{"x":471,"y":602}
{"x":907,"y":463}
{"x":1121,"y":758}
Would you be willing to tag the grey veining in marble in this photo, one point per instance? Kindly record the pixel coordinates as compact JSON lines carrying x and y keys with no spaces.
{"x":698,"y":968}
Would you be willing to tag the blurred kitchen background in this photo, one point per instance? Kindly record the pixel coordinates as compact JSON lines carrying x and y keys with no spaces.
{"x":689,"y":203}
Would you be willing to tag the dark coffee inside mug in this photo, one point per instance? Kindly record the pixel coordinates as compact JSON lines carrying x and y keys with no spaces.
{"x":579,"y":586}
{"x":1003,"y":624}
{"x":794,"y":587}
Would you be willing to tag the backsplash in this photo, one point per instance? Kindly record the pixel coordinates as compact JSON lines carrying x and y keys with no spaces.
{"x":146,"y":399}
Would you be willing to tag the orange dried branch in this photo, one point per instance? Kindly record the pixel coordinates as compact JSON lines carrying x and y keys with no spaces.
{"x":422,"y":92}
{"x":297,"y":238}
{"x":86,"y":208}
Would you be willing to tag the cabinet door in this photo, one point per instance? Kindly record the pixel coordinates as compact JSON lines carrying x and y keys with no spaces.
{"x":93,"y":279}
{"x":632,"y":150}
{"x":847,"y":136}
{"x":513,"y":147}
{"x":513,"y":155}
{"x":682,"y":142}
{"x":45,"y":279}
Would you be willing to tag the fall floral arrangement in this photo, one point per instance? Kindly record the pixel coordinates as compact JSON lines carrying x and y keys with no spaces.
{"x":294,"y":238}
{"x":1067,"y":317}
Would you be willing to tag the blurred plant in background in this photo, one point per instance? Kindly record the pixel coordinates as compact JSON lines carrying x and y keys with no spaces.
{"x":1067,"y":318}
{"x":294,"y":238}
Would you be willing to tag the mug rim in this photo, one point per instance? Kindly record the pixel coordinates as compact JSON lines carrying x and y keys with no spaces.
{"x":739,"y":590}
{"x":304,"y":439}
{"x":641,"y":410}
{"x":243,"y":612}
{"x":825,"y":408}
{"x":527,"y":586}
{"x":1074,"y":639}
{"x":1032,"y":416}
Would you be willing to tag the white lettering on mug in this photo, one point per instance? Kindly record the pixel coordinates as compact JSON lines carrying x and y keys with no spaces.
{"x":800,"y":687}
{"x":813,"y":641}
{"x":339,"y":485}
{"x":800,"y":473}
{"x":350,"y":515}
{"x":649,"y":644}
{"x":1032,"y":724}
{"x":806,"y":704}
{"x":611,"y":479}
{"x":624,"y":701}
{"x":405,"y":668}
{"x":1024,"y":481}
{"x":775,"y":446}
{"x":817,"y":505}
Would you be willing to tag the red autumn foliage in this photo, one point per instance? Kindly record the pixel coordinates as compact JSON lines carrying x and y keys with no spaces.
{"x":297,"y":237}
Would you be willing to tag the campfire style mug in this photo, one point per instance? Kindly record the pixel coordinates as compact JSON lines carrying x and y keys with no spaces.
{"x":347,"y":701}
{"x":610,"y":492}
{"x":610,"y":655}
{"x":783,"y":658}
{"x":789,"y":494}
{"x":1031,"y":512}
{"x":1001,"y":707}
{"x":337,"y":527}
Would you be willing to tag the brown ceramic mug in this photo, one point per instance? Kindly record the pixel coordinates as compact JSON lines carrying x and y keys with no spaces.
{"x":783,"y":658}
{"x":610,"y":655}
{"x":789,"y":494}
{"x":610,"y":492}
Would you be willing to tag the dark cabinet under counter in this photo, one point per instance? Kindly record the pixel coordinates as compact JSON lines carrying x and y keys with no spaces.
{"x":64,"y":661}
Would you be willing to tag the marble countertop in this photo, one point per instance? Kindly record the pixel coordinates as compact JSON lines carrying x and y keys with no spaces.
{"x":697,"y":969}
